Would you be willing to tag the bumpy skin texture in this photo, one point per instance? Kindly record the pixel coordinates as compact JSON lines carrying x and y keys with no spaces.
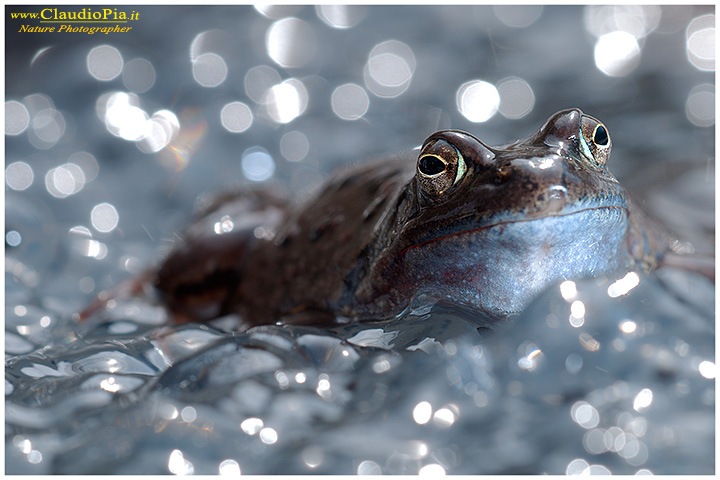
{"x":479,"y":226}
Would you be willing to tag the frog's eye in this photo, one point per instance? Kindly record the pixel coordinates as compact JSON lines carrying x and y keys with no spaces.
{"x":595,"y":141}
{"x":439,"y":167}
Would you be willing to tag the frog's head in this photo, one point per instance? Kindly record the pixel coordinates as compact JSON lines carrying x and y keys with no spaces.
{"x":558,"y":170}
{"x":493,"y":225}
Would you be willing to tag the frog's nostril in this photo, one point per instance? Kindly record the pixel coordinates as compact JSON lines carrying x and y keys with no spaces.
{"x":503,"y":174}
{"x":556,"y":198}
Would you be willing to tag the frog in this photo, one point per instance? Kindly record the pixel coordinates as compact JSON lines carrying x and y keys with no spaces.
{"x":485,"y":228}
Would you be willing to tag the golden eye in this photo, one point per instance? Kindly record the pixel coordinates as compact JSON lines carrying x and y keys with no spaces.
{"x":595,"y":143}
{"x":439,"y":167}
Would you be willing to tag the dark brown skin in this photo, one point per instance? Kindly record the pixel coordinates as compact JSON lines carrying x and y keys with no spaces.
{"x":483,"y":227}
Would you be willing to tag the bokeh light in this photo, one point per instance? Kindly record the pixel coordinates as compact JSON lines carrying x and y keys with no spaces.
{"x":257,"y":164}
{"x":104,"y":62}
{"x":294,"y":146}
{"x":17,"y":118}
{"x":251,"y":425}
{"x":211,"y":41}
{"x":178,"y":465}
{"x":46,"y":124}
{"x":229,"y":467}
{"x":478,"y":100}
{"x":368,"y":467}
{"x":624,"y":285}
{"x":617,"y":53}
{"x":290,"y":42}
{"x":286,"y":101}
{"x":209,"y":70}
{"x":104,"y":217}
{"x":268,"y":436}
{"x":122,"y":115}
{"x":643,"y":400}
{"x":422,"y":413}
{"x":674,"y":18}
{"x":585,"y":415}
{"x":160,"y":130}
{"x":636,"y":20}
{"x":65,"y":180}
{"x":568,"y":290}
{"x":706,"y":368}
{"x":236,"y":117}
{"x":432,"y":470}
{"x":577,"y":467}
{"x":389,"y":68}
{"x":700,"y":42}
{"x":516,"y":97}
{"x":577,"y":314}
{"x":700,"y":105}
{"x":138,"y":75}
{"x":258,"y":80}
{"x":13,"y":238}
{"x":124,"y":118}
{"x":19,"y":175}
{"x":350,"y":101}
{"x":37,"y":102}
{"x":87,"y":163}
{"x":277,"y":11}
{"x":518,"y":16}
{"x":47,"y":127}
{"x":341,"y":16}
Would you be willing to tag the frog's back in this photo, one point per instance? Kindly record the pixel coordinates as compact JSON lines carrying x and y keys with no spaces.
{"x":256,"y":254}
{"x":302,"y":271}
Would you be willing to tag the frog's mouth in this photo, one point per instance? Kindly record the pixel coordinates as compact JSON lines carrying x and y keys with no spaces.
{"x":600,"y":217}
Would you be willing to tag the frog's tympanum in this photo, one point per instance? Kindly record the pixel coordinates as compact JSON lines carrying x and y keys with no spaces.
{"x":466,"y":223}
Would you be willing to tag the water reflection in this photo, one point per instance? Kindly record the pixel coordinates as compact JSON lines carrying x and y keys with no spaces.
{"x":209,"y":70}
{"x":636,"y":20}
{"x":46,"y":128}
{"x":617,"y":53}
{"x":278,"y":11}
{"x":138,"y":75}
{"x":258,"y":80}
{"x":257,"y":164}
{"x":17,"y":118}
{"x":516,"y":97}
{"x":104,"y":63}
{"x":291,"y":42}
{"x":422,"y":413}
{"x":178,"y":465}
{"x":341,"y":16}
{"x":294,"y":146}
{"x":700,"y":105}
{"x":19,"y":175}
{"x":389,"y":69}
{"x":518,"y":16}
{"x":104,"y":217}
{"x":700,"y":37}
{"x":478,"y":100}
{"x":236,"y":117}
{"x":349,"y":101}
{"x":286,"y":101}
{"x":229,"y":467}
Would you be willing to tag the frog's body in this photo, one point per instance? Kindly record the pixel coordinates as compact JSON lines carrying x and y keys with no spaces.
{"x":483,"y":227}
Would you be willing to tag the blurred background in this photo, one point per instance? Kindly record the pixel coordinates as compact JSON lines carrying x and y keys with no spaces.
{"x":112,"y":139}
